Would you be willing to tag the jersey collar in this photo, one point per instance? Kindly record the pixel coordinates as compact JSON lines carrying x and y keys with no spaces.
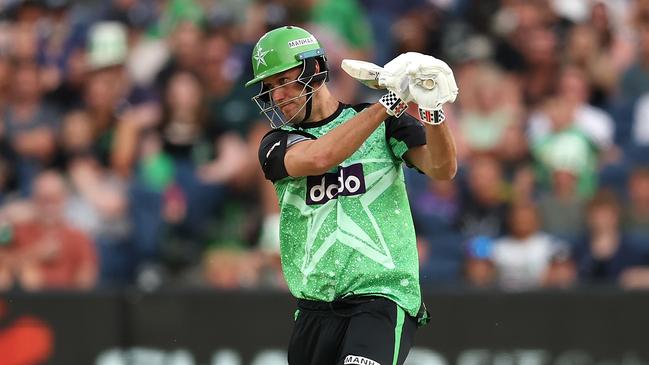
{"x":333,"y":116}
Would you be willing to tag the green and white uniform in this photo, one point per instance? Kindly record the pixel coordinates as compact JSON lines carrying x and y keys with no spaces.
{"x":349,"y":231}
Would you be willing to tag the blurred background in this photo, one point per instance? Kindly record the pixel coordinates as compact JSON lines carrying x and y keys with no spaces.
{"x":130,"y":192}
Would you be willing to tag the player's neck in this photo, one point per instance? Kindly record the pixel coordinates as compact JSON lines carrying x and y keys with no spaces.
{"x":324,"y":105}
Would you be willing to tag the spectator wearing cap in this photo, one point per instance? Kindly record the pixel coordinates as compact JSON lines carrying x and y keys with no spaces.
{"x":122,"y":115}
{"x":593,"y":122}
{"x":479,"y":269}
{"x":119,"y":110}
{"x":562,"y":197}
{"x":565,"y":147}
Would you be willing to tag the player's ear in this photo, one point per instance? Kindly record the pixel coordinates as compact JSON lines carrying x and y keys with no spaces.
{"x":320,"y":66}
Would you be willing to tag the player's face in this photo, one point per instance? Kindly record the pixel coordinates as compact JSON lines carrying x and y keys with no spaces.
{"x":287,"y":94}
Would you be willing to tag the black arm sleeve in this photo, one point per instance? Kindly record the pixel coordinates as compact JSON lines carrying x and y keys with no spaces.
{"x":404,"y":133}
{"x":272,"y":150}
{"x":405,"y":129}
{"x":401,"y":133}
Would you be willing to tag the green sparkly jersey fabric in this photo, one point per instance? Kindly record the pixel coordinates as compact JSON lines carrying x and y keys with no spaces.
{"x":350,"y":231}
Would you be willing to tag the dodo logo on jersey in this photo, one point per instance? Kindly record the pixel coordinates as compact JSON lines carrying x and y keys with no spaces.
{"x":347,"y":181}
{"x":359,"y":360}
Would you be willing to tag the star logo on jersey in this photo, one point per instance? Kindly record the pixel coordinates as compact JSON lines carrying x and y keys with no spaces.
{"x":260,"y":56}
{"x":348,"y":232}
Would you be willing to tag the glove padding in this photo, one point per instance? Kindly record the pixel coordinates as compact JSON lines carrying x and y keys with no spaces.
{"x":423,"y":67}
{"x":395,"y":78}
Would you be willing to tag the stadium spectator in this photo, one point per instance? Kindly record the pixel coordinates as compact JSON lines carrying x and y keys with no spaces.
{"x":68,"y":90}
{"x":99,"y":207}
{"x":5,"y":175}
{"x":229,"y":268}
{"x":605,"y":252}
{"x":636,"y":207}
{"x":30,"y":124}
{"x":486,"y":113}
{"x":565,"y":147}
{"x":523,"y":258}
{"x":593,"y":122}
{"x":640,"y":127}
{"x":517,"y":162}
{"x":46,"y":252}
{"x":75,"y":138}
{"x":223,"y":70}
{"x":186,"y":50}
{"x":479,"y":269}
{"x":119,"y":110}
{"x":563,"y":198}
{"x":434,"y":204}
{"x":483,"y":206}
{"x":601,"y":51}
{"x":230,"y":109}
{"x":5,"y":72}
{"x":635,"y":79}
{"x":56,"y":46}
{"x":537,"y":43}
{"x":205,"y":155}
{"x":608,"y":20}
{"x":191,"y":141}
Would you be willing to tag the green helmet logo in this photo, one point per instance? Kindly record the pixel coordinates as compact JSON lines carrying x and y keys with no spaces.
{"x":259,"y":57}
{"x":282,"y":49}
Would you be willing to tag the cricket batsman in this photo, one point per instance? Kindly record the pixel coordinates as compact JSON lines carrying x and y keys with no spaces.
{"x":347,"y":238}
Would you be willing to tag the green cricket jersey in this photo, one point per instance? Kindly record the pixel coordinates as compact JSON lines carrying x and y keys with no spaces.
{"x":350,"y":230}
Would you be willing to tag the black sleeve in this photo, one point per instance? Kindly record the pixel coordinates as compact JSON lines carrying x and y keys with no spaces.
{"x":272,"y":150}
{"x":404,"y":133}
{"x":405,"y":129}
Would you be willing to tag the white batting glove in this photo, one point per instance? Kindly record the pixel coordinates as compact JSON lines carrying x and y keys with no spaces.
{"x":394,"y":77}
{"x":409,"y":77}
{"x":431,"y":85}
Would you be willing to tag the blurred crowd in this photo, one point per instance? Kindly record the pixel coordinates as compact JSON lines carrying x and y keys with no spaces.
{"x":128,"y":144}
